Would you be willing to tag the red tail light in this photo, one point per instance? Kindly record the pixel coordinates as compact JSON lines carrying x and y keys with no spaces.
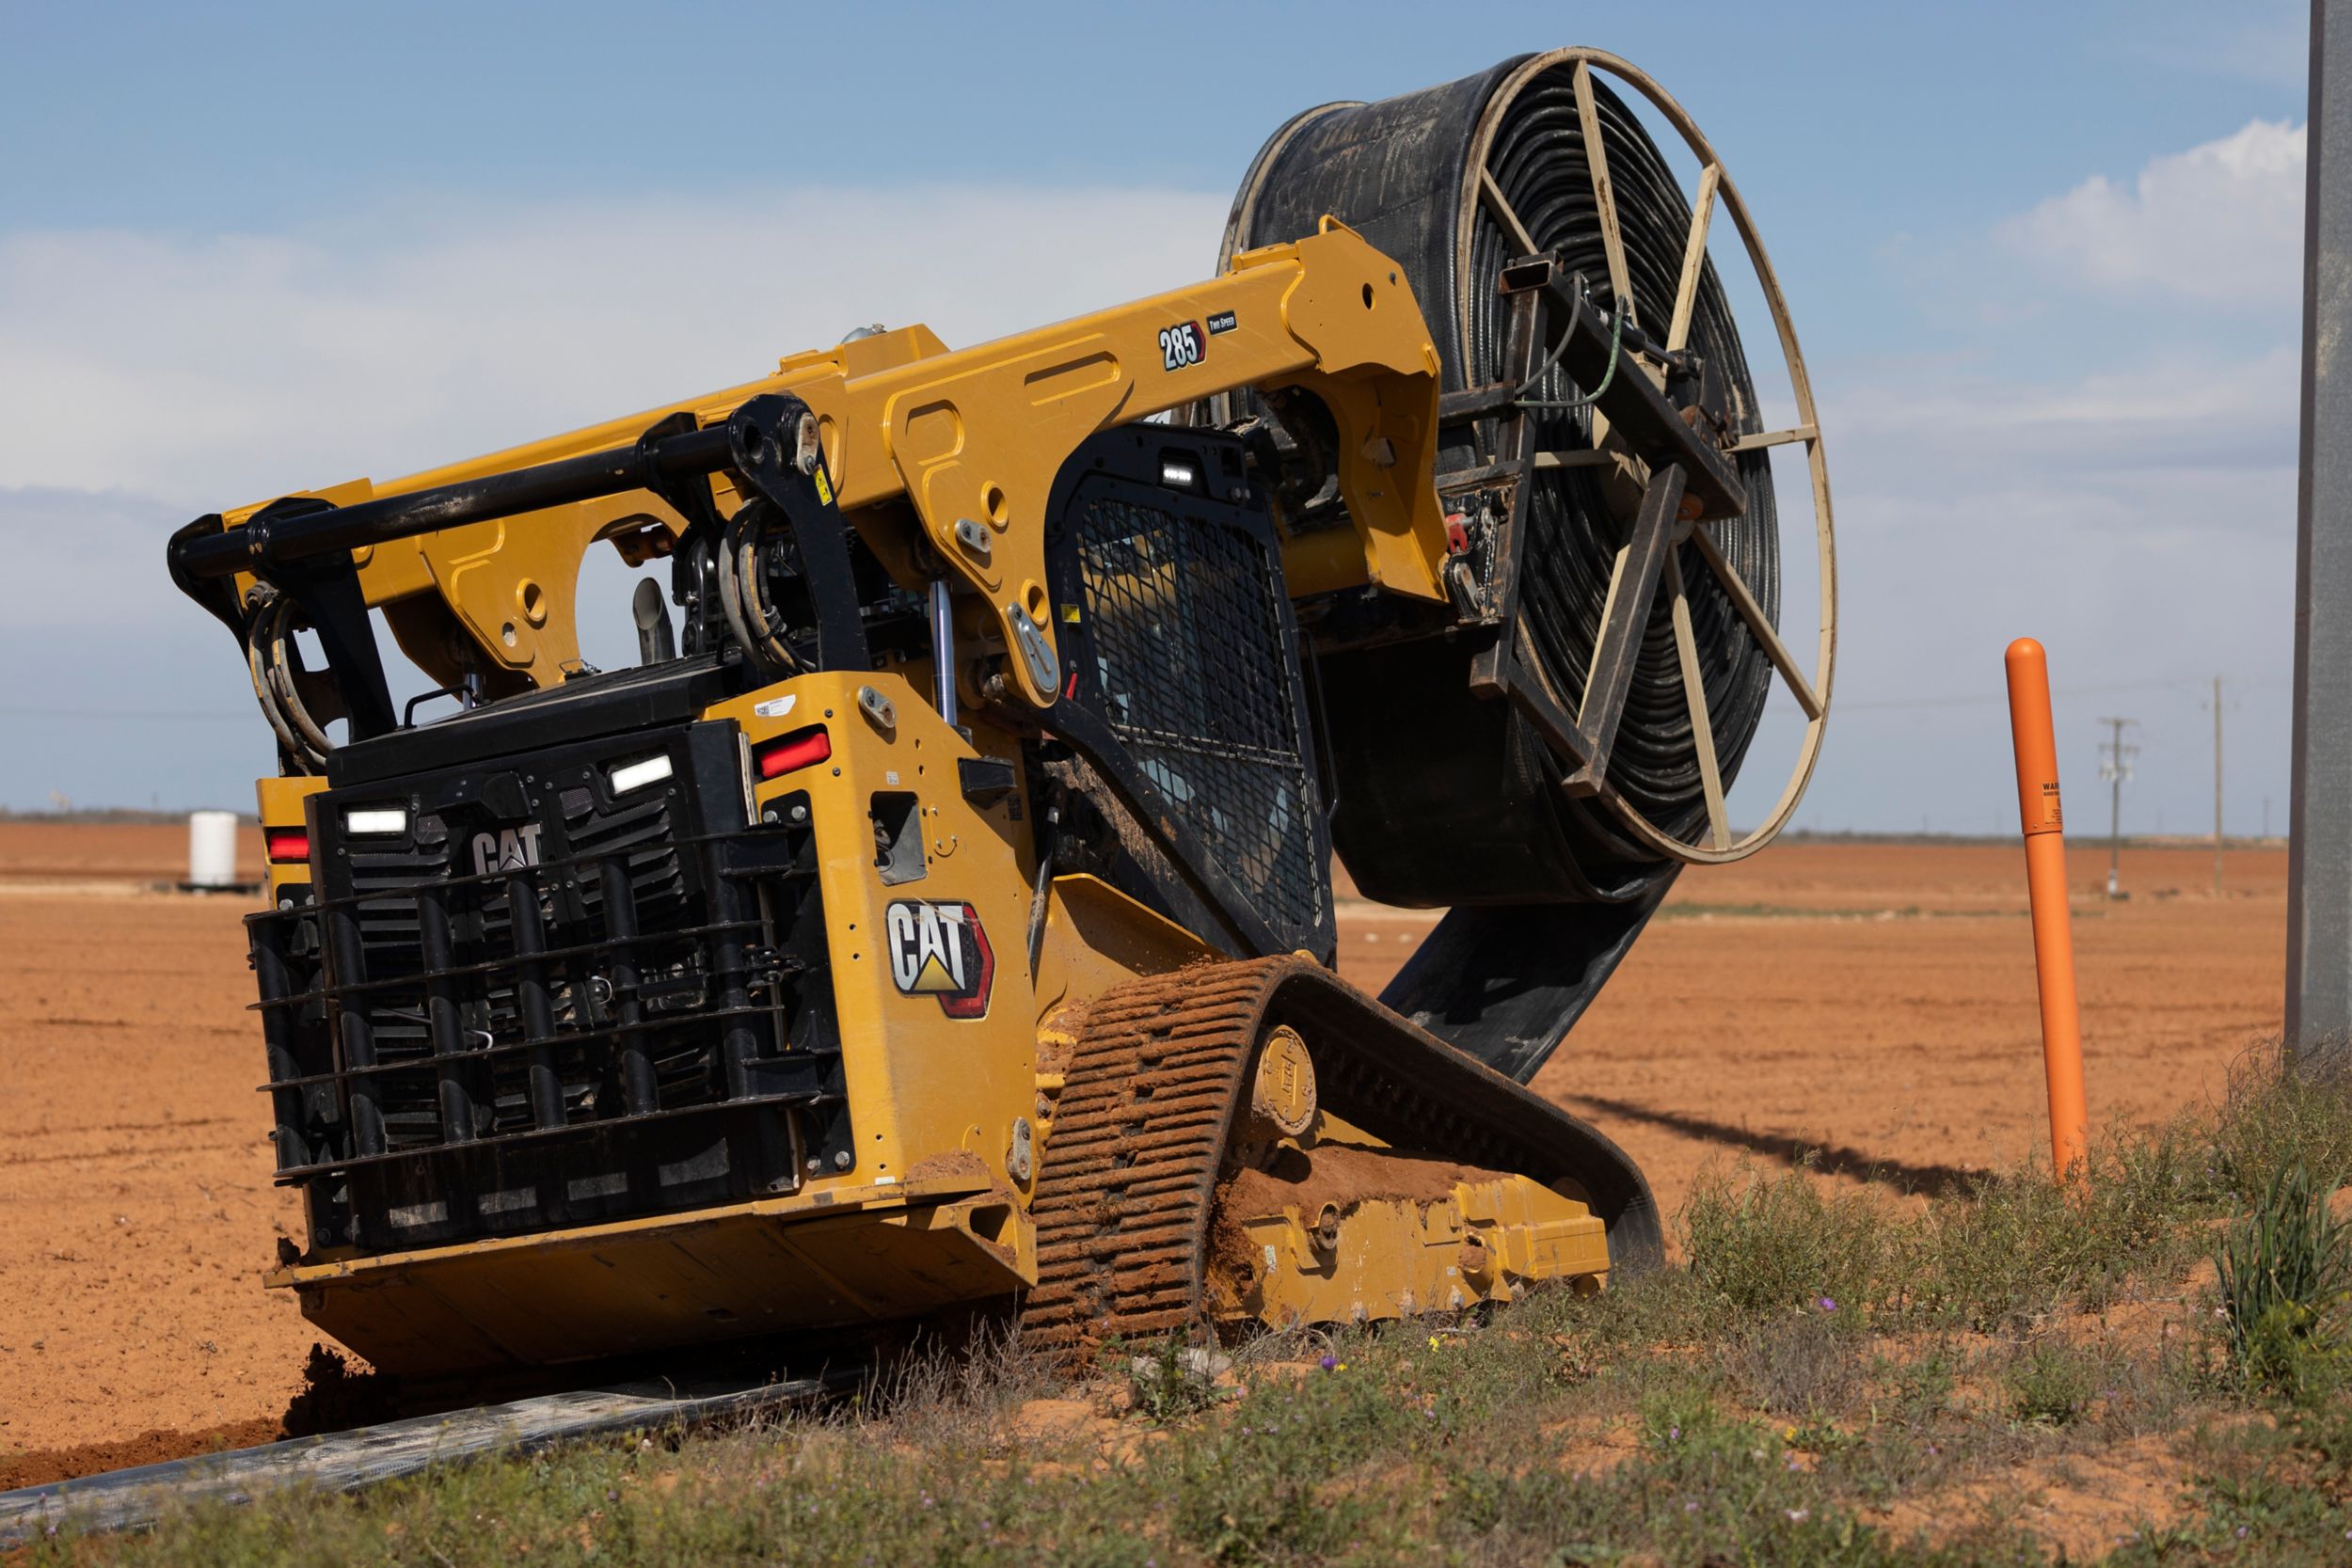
{"x":796,"y":749}
{"x":286,"y":845}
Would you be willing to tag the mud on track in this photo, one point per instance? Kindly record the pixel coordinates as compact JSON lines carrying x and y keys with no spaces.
{"x":1875,"y":1002}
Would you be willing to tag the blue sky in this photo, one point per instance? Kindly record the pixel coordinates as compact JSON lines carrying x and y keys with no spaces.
{"x":2038,"y":255}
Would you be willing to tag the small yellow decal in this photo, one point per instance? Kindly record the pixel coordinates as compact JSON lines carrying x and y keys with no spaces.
{"x":824,"y":487}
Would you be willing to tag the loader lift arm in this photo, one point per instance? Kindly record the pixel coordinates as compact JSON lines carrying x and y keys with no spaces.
{"x":966,"y":442}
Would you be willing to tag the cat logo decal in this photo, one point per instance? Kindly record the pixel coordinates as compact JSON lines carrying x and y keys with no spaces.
{"x":941,"y":950}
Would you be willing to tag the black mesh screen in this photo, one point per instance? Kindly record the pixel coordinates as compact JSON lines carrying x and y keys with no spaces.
{"x":1189,"y":657}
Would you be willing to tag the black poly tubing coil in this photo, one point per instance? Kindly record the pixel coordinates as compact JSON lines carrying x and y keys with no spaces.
{"x":1398,"y":172}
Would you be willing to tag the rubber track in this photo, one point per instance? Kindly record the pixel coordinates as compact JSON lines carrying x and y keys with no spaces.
{"x":1123,"y":1202}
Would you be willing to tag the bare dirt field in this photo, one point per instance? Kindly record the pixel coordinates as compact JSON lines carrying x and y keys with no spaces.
{"x":1874,"y":1003}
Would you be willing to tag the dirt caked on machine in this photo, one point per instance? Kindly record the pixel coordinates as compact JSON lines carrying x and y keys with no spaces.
{"x":941,"y":912}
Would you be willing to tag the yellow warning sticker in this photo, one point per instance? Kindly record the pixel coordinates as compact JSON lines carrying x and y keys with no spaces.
{"x":824,"y":487}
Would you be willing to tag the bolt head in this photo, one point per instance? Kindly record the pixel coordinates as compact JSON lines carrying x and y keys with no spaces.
{"x":841,"y":1160}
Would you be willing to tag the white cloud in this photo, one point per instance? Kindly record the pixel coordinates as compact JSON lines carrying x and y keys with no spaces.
{"x":2163,"y":418}
{"x":2138,"y":518}
{"x":2220,"y":224}
{"x":145,"y":378}
{"x":2139,"y":523}
{"x":215,"y":370}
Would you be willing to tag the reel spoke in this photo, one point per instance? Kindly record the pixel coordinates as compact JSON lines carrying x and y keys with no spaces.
{"x":1694,"y":258}
{"x":1760,"y":623}
{"x":1633,"y":588}
{"x":1498,"y":205}
{"x":1777,"y":437}
{"x":1694,"y":697}
{"x":1604,"y":195}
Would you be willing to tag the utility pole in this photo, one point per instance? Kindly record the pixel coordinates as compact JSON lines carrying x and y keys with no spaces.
{"x":2319,"y":808}
{"x":2217,"y":786}
{"x":2115,"y":766}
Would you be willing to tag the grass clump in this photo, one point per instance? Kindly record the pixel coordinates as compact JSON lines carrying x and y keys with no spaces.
{"x":2016,"y":1245}
{"x":2052,"y":1384}
{"x":1170,"y":1379}
{"x":1798,"y":1364}
{"x":2283,"y":1271}
{"x":2277,"y":1116}
{"x":1774,"y":1243}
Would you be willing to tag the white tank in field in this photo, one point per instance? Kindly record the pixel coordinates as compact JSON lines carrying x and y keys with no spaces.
{"x":211,"y":848}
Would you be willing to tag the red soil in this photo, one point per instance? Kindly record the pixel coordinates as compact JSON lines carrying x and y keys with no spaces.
{"x":1874,"y":1001}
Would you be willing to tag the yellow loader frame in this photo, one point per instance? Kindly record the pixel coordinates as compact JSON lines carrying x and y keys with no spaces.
{"x":922,"y":446}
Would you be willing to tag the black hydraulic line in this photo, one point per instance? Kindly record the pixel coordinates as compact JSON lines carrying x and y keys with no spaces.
{"x":290,"y":1137}
{"x":529,"y":934}
{"x":730,"y":976}
{"x":453,"y":1096}
{"x":261,"y":544}
{"x":1048,"y":841}
{"x":346,"y":964}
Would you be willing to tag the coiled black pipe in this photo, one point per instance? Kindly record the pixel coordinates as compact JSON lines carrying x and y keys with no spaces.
{"x":1539,"y":161}
{"x":1402,"y":172}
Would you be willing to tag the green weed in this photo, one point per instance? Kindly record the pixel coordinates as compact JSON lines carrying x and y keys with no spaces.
{"x":2283,"y":1270}
{"x":1768,"y":1244}
{"x":2051,"y":1383}
{"x":1812,"y":1363}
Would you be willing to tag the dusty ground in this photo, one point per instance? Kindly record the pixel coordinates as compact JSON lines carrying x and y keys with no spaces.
{"x":1875,"y":1002}
{"x":1876,"y":1005}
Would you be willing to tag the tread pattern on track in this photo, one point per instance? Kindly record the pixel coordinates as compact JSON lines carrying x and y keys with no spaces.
{"x":1154,"y":1085}
{"x":1122,"y":1202}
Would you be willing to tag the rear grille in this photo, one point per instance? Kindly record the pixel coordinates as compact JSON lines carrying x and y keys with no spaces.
{"x":543,"y":1004}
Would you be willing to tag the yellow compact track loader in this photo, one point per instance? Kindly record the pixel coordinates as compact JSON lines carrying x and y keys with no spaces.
{"x":941,"y":913}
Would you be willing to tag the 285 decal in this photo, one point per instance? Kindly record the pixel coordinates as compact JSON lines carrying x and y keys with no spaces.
{"x":941,"y":950}
{"x":1182,"y":345}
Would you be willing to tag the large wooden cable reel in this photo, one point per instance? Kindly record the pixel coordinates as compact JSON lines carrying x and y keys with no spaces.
{"x":1455,"y":182}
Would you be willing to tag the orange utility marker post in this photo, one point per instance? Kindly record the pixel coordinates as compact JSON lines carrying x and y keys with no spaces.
{"x":2045,"y":887}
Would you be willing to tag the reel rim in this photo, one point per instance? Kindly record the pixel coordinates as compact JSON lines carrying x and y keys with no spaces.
{"x":1812,"y":696}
